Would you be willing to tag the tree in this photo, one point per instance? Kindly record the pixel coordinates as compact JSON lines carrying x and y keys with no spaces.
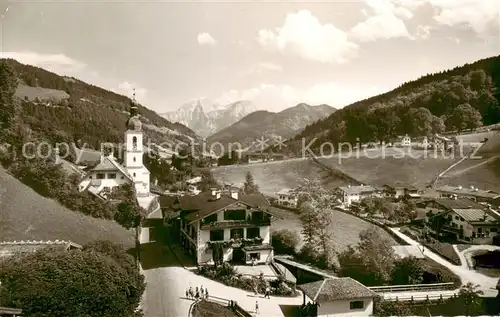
{"x":407,"y":271}
{"x":77,"y":283}
{"x":285,"y":241}
{"x":249,"y":187}
{"x":377,"y":252}
{"x":8,"y":85}
{"x":439,"y":221}
{"x":316,"y":214}
{"x":469,"y":297}
{"x":464,"y":117}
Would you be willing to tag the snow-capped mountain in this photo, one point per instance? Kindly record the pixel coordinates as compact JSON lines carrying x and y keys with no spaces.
{"x":206,"y":117}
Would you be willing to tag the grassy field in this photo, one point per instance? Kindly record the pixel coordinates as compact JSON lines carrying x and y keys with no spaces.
{"x":25,"y":215}
{"x":418,"y":171}
{"x":24,"y":91}
{"x":486,"y":176}
{"x":491,"y":147}
{"x":345,"y":228}
{"x":274,"y":176}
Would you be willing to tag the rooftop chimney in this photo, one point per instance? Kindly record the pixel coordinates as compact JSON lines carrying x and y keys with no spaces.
{"x":234,"y":194}
{"x":460,"y":187}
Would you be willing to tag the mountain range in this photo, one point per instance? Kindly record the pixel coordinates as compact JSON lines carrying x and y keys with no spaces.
{"x":271,"y":126}
{"x":206,"y":117}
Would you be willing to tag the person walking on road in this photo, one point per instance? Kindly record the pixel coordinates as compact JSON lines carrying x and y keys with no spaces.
{"x":268,"y":291}
{"x":206,"y":293}
{"x":256,"y":307}
{"x":197,"y":294}
{"x":187,"y":293}
{"x":191,"y":293}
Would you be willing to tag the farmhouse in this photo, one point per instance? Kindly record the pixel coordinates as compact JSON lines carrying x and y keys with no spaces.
{"x":402,"y":141}
{"x":476,"y":194}
{"x":421,"y":142}
{"x":237,"y":223}
{"x":442,"y":142}
{"x":11,"y":248}
{"x":400,"y":191}
{"x":465,"y":219}
{"x":338,"y":297}
{"x":287,"y":198}
{"x":349,"y":194}
{"x":109,"y":174}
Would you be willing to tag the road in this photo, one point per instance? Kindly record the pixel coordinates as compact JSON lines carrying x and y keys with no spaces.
{"x":486,"y":284}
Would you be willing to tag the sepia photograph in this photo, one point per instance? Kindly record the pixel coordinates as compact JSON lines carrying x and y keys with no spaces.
{"x":249,"y":158}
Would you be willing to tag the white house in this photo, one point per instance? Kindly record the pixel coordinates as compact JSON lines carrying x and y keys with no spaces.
{"x":349,"y":194}
{"x":109,"y":174}
{"x":338,"y":297}
{"x":239,"y":223}
{"x":287,"y":198}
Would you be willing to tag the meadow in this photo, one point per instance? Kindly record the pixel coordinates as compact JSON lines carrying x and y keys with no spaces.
{"x":378,"y":170}
{"x":25,"y":215}
{"x":274,"y":176}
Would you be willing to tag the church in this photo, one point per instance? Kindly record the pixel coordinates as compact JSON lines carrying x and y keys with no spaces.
{"x":109,"y":174}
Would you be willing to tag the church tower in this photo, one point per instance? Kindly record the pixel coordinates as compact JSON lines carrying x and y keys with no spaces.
{"x":134,"y":150}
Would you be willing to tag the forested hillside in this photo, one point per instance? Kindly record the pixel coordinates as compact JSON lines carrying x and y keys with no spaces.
{"x":90,"y":114}
{"x":458,"y":99}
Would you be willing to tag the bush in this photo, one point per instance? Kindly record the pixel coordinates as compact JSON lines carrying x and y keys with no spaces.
{"x":285,"y":241}
{"x":227,"y":274}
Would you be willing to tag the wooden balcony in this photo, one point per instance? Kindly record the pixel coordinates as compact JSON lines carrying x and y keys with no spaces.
{"x":236,"y":243}
{"x":225,"y":224}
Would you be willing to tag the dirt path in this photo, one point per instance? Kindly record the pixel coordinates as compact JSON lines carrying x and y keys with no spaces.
{"x":473,"y":167}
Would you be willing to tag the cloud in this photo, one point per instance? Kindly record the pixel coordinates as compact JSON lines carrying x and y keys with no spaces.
{"x":57,"y":63}
{"x":385,"y":23}
{"x":304,"y":35}
{"x":278,"y":97}
{"x":206,"y":39}
{"x":481,"y":16}
{"x":423,"y":32}
{"x":127,"y":89}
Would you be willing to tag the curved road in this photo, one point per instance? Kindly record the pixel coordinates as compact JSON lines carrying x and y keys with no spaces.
{"x":486,"y":284}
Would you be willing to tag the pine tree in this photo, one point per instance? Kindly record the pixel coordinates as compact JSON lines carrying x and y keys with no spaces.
{"x":8,"y":85}
{"x":250,"y":187}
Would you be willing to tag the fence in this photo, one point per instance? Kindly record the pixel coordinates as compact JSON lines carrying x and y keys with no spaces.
{"x":421,"y":298}
{"x":410,"y":288}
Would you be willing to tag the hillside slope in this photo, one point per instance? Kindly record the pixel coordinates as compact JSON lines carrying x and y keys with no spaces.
{"x":206,"y":117}
{"x":64,"y":109}
{"x":270,"y":125}
{"x":456,"y":99}
{"x":25,"y":215}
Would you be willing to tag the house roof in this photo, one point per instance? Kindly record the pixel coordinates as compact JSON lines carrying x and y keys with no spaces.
{"x":331,"y":289}
{"x":459,"y":203}
{"x":475,"y":215}
{"x":110,"y":164}
{"x":459,"y":190}
{"x":87,"y":155}
{"x":9,"y":248}
{"x":69,"y":167}
{"x":353,"y":190}
{"x":203,"y":204}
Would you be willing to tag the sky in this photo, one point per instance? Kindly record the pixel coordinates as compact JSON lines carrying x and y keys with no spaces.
{"x":275,"y":53}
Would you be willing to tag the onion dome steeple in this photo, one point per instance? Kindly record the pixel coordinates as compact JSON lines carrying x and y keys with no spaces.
{"x":133,"y":123}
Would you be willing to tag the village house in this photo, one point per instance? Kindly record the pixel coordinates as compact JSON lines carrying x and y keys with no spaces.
{"x":239,"y":223}
{"x":402,"y":141}
{"x":471,"y":192}
{"x":466,"y":220}
{"x":265,"y":157}
{"x":349,"y":194}
{"x":109,"y":174}
{"x":287,"y":198}
{"x":421,"y":142}
{"x":400,"y":191}
{"x":338,"y":297}
{"x":442,"y":143}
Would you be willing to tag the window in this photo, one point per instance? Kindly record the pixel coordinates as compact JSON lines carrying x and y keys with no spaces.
{"x":236,"y":233}
{"x":100,"y":175}
{"x":253,"y":233}
{"x":493,"y":229}
{"x":134,"y":143}
{"x":123,"y":177}
{"x":134,"y":175}
{"x":216,"y":235}
{"x":90,"y":177}
{"x":210,"y":219}
{"x":112,"y":176}
{"x":134,"y":159}
{"x":358,"y":304}
{"x":254,"y":256}
{"x":234,"y":215}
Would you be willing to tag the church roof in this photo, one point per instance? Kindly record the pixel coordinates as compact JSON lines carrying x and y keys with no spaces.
{"x":134,"y":124}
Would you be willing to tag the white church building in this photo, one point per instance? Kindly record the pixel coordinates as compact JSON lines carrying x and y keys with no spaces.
{"x":109,"y":174}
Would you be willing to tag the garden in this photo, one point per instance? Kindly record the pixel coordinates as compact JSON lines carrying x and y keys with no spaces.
{"x":209,"y":309}
{"x":226,"y":274}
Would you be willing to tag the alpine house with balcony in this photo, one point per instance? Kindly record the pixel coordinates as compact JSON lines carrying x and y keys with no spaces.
{"x":233,"y":222}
